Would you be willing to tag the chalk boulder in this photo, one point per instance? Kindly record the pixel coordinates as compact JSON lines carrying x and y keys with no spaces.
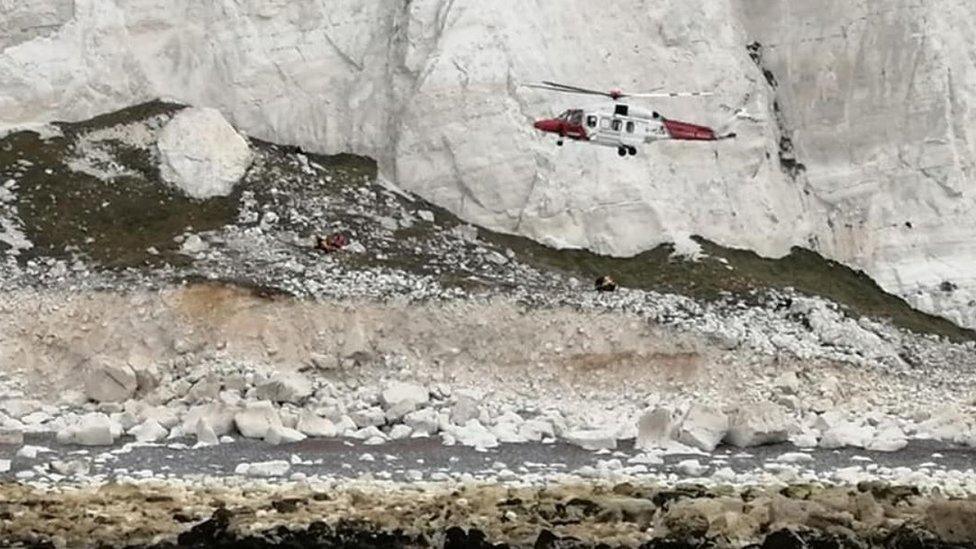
{"x":703,"y":427}
{"x":109,"y":380}
{"x":758,"y":424}
{"x":201,"y":154}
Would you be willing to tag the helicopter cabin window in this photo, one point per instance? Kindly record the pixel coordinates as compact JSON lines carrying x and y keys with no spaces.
{"x":591,"y":121}
{"x":630,"y":126}
{"x":617,"y":124}
{"x":605,"y":123}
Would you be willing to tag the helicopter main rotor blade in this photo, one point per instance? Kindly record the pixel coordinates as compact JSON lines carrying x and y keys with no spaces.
{"x":668,"y":94}
{"x":576,"y":89}
{"x":548,"y":87}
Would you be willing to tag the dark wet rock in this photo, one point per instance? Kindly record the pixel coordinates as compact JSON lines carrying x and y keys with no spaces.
{"x":458,"y":538}
{"x":784,"y":539}
{"x":888,"y":492}
{"x":664,"y":498}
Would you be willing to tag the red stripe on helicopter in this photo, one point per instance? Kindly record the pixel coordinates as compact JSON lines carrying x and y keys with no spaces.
{"x":689,"y":132}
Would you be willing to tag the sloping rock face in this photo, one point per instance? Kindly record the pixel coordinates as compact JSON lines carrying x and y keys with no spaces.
{"x":855,"y":142}
{"x":878,"y":102}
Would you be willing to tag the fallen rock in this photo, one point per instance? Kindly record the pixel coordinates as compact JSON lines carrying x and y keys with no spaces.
{"x":285,"y":387}
{"x":369,"y":417}
{"x":654,"y":429}
{"x":691,"y":467}
{"x":399,"y":399}
{"x":205,"y":433}
{"x":314,"y":425}
{"x":149,"y":431}
{"x":274,"y":468}
{"x":424,"y":421}
{"x":256,"y":419}
{"x":71,"y":468}
{"x":201,"y":154}
{"x":888,"y":439}
{"x":30,"y":451}
{"x":93,"y":429}
{"x":193,"y":245}
{"x":279,"y":434}
{"x":534,"y":430}
{"x":507,"y":432}
{"x":219,"y":415}
{"x":400,"y":431}
{"x":847,"y":434}
{"x":109,"y":380}
{"x":757,"y":425}
{"x":474,"y":434}
{"x":592,"y":439}
{"x":703,"y":427}
{"x":467,"y":406}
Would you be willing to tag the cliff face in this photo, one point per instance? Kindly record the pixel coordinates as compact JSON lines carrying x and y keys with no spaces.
{"x":855,"y":145}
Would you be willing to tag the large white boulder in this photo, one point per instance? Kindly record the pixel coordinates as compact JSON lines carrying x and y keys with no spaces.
{"x":758,"y":424}
{"x":279,"y":434}
{"x":424,"y":421}
{"x":399,"y":399}
{"x":703,"y":427}
{"x":257,"y":419}
{"x":847,"y":434}
{"x":149,"y":431}
{"x":315,"y":425}
{"x":285,"y":387}
{"x":887,"y":439}
{"x":201,"y":154}
{"x":474,"y":434}
{"x":109,"y":380}
{"x":95,"y":429}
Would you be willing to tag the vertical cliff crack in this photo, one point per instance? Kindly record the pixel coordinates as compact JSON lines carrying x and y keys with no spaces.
{"x":788,"y":162}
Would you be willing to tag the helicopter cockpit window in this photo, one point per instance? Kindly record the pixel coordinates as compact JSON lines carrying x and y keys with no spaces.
{"x":630,"y":126}
{"x":563,"y":116}
{"x":617,"y":125}
{"x":591,"y":120}
{"x":576,"y":118}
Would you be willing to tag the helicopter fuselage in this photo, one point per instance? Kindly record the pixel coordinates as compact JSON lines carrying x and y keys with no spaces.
{"x":624,"y":128}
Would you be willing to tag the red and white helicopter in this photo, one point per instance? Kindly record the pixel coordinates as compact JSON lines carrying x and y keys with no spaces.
{"x":625,"y":127}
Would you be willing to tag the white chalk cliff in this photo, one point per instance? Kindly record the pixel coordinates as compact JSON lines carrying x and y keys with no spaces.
{"x":859,"y":141}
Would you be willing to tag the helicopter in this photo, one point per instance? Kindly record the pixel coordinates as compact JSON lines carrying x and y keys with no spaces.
{"x":625,"y":127}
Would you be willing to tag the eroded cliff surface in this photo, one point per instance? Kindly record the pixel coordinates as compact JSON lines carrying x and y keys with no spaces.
{"x":854,"y":143}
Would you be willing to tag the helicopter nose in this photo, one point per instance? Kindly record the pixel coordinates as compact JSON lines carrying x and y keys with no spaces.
{"x":547,"y":125}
